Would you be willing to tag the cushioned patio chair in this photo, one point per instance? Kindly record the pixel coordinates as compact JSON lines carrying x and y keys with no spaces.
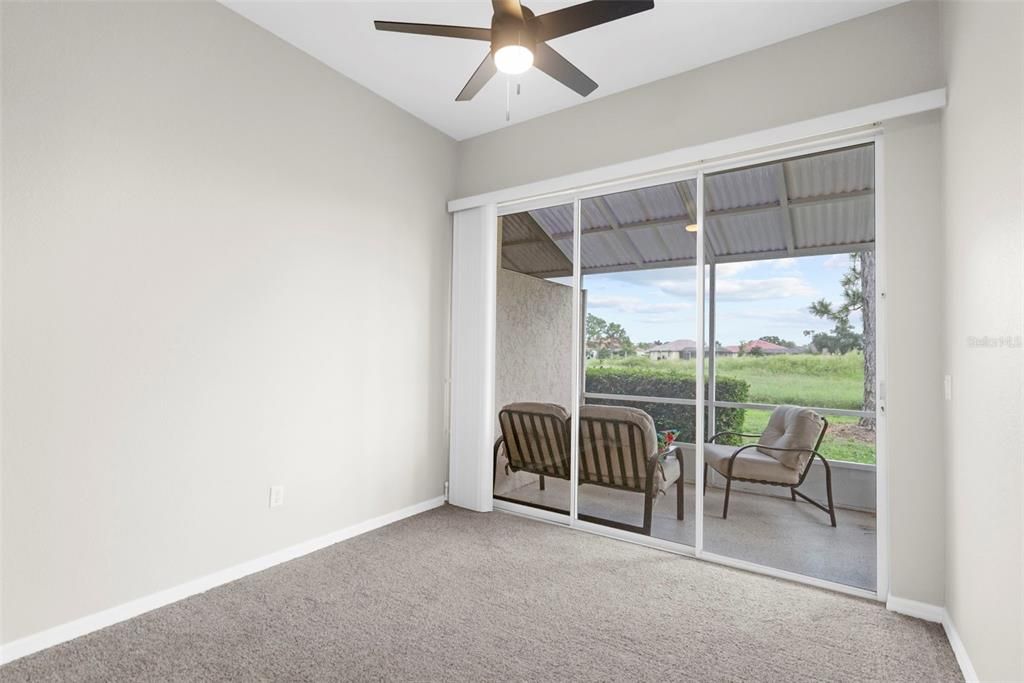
{"x":782,"y":456}
{"x":619,"y":450}
{"x":535,"y":437}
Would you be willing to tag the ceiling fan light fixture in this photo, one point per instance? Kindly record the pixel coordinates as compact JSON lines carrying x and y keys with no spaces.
{"x":513,"y":59}
{"x":519,"y":38}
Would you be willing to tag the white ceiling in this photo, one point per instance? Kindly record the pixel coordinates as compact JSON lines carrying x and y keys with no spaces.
{"x":423,"y":74}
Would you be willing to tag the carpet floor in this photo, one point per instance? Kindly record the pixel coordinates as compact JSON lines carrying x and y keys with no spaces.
{"x":456,"y":595}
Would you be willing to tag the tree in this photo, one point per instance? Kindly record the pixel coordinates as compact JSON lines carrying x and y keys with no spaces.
{"x":858,"y":284}
{"x":605,"y":339}
{"x":842,"y":339}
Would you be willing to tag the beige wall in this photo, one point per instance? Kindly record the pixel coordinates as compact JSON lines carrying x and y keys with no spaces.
{"x":225,"y":266}
{"x":871,"y":59}
{"x":983,"y":142}
{"x":533,"y":349}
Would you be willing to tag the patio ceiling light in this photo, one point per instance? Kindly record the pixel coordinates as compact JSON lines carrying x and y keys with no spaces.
{"x":692,"y":227}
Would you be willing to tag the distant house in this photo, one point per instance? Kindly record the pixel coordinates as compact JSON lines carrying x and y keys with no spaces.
{"x":727,"y":351}
{"x":765,"y":348}
{"x":605,"y":350}
{"x":680,"y":349}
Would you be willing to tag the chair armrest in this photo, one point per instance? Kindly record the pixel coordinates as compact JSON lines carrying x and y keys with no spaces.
{"x":779,"y":448}
{"x":749,"y":436}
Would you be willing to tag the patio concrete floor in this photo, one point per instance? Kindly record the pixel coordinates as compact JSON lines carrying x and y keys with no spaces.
{"x":765,"y":529}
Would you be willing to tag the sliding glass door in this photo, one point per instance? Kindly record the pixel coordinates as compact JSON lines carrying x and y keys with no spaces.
{"x":692,"y":362}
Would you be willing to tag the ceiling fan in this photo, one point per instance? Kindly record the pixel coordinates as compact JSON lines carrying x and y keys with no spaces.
{"x":517,"y":37}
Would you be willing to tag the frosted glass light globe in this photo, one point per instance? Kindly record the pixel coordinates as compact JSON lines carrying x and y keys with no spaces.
{"x":513,"y":59}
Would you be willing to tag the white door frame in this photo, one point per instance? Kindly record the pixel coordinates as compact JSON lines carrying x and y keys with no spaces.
{"x":651,"y":171}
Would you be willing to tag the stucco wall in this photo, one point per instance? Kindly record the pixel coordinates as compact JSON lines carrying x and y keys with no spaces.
{"x":533,"y":357}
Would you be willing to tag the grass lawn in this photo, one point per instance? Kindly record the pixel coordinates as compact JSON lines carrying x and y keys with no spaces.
{"x":823,"y":381}
{"x":826,"y":381}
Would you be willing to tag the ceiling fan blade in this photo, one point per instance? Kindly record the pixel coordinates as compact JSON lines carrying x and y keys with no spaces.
{"x":479,"y":79}
{"x":578,"y":17}
{"x":510,"y":8}
{"x":467,"y":32}
{"x":562,"y":70}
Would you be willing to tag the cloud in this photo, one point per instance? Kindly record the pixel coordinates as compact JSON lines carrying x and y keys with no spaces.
{"x":626,"y":304}
{"x":783,"y":263}
{"x":789,"y":316}
{"x":747,"y":289}
{"x":660,"y":318}
{"x":837,"y":262}
{"x":730,"y":269}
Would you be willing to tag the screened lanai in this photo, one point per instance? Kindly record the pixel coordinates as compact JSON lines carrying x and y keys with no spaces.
{"x":809,"y":206}
{"x":813,"y":205}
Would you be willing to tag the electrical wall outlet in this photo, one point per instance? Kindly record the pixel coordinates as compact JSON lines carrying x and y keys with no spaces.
{"x":276,"y":496}
{"x":947,"y":387}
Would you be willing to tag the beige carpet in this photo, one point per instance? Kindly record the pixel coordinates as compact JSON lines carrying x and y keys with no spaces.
{"x":456,"y":595}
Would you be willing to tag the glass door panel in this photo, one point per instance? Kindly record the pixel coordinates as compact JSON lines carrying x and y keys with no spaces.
{"x":534,"y":358}
{"x":790,"y":322}
{"x":636,"y":457}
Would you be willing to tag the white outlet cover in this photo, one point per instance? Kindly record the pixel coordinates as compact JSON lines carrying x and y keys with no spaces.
{"x":947,"y":386}
{"x":276,"y":496}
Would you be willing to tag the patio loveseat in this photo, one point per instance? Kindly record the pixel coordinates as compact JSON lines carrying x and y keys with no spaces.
{"x":618,"y":450}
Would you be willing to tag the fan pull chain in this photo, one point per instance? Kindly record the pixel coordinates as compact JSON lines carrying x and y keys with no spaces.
{"x":508,"y":97}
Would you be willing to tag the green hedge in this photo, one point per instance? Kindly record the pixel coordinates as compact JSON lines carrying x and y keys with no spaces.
{"x":666,"y":383}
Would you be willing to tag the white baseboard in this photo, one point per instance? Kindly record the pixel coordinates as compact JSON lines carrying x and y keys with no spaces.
{"x":938,"y":615}
{"x":913,"y":608}
{"x":966,"y":667}
{"x":93,"y":622}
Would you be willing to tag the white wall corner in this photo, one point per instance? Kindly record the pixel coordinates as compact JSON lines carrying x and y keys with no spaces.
{"x":914,"y":608}
{"x":108,"y":617}
{"x":966,"y":667}
{"x":938,"y":615}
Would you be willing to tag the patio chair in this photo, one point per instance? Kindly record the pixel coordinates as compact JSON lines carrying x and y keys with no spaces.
{"x":535,"y":437}
{"x":619,"y":450}
{"x":782,"y":456}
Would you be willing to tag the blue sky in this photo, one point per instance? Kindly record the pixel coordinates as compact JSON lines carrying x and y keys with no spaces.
{"x":754,"y":299}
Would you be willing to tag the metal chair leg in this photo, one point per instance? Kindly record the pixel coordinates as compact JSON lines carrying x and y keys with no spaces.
{"x":728,"y":488}
{"x":494,"y":475}
{"x":792,"y":493}
{"x":542,"y":482}
{"x":680,"y":501}
{"x":648,"y":514}
{"x":828,"y":488}
{"x":705,"y":477}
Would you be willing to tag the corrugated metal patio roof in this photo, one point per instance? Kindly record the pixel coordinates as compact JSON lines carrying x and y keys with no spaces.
{"x":819,"y":204}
